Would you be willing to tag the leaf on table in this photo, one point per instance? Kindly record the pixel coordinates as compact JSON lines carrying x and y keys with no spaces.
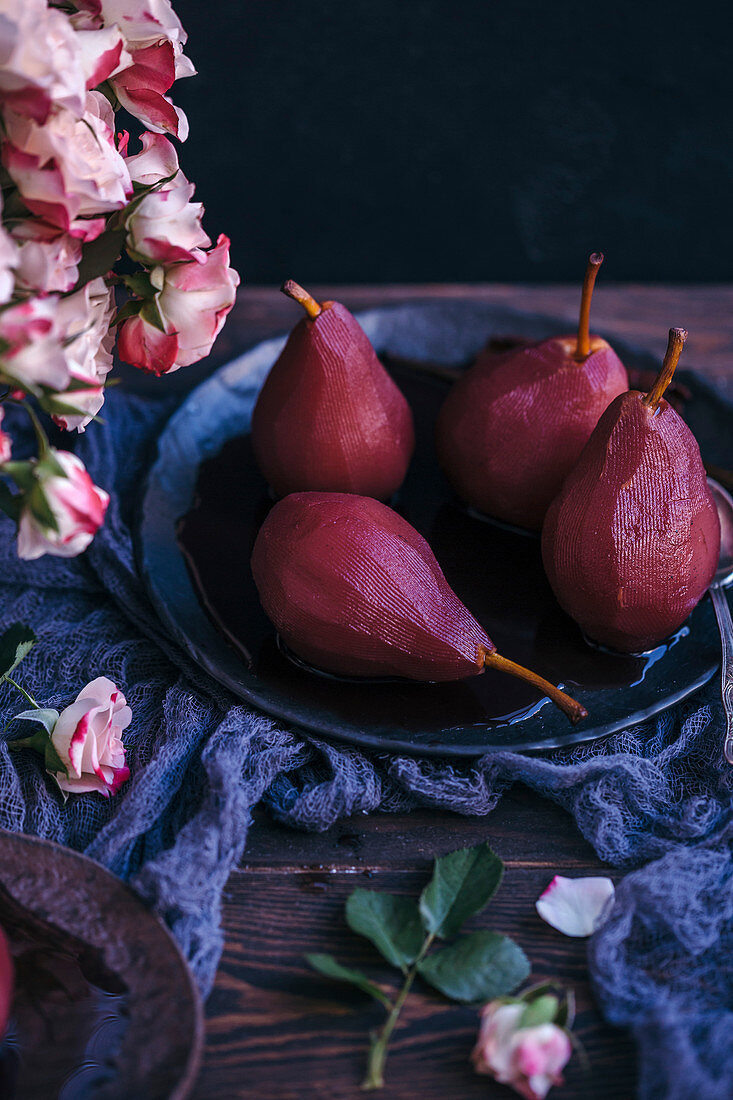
{"x":330,"y":968}
{"x":15,"y":644}
{"x":390,"y":922}
{"x":477,"y":967}
{"x":462,"y":884}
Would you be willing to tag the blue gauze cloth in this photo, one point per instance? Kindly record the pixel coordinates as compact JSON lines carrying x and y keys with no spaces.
{"x":654,"y":800}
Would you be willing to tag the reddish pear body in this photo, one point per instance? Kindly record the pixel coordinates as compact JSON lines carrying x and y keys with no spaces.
{"x":353,"y":589}
{"x":7,"y":982}
{"x":329,"y":417}
{"x":631,"y":543}
{"x":513,"y":426}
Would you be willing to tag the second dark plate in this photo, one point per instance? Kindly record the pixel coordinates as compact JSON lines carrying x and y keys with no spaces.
{"x":205,"y":501}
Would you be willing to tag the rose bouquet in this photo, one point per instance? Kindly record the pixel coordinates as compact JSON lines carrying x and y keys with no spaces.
{"x":99,"y":241}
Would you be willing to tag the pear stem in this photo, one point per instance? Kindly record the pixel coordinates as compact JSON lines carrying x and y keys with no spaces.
{"x":308,"y":302}
{"x":575,"y":711}
{"x":675,"y":343}
{"x":582,"y":350}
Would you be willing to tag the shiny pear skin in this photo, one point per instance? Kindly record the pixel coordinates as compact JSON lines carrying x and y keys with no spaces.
{"x":631,"y":543}
{"x":354,"y":590}
{"x":329,"y":417}
{"x":513,"y":426}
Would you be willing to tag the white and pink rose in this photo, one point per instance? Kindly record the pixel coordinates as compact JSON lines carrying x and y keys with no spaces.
{"x":164,"y":227}
{"x":69,"y":171}
{"x":40,"y":60}
{"x":47,"y":261}
{"x":87,"y":738}
{"x":155,"y":39}
{"x":31,"y":349}
{"x":85,"y":318}
{"x":193,"y":300}
{"x":528,"y":1059}
{"x":63,"y":511}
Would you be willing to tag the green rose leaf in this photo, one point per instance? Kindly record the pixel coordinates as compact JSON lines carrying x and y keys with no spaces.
{"x":390,"y":922}
{"x":477,"y":967}
{"x":10,"y":503}
{"x":330,"y":968}
{"x":52,"y":760}
{"x":15,"y":644}
{"x":100,"y":255}
{"x":462,"y":884}
{"x":47,"y":716}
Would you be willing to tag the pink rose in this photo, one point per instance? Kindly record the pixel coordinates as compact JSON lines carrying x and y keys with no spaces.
{"x":147,"y":22}
{"x":157,"y":160}
{"x":87,"y":737}
{"x":69,"y":169}
{"x":528,"y":1059}
{"x":155,"y":39}
{"x":41,"y":63}
{"x":9,"y":260}
{"x":33,"y":355}
{"x":103,"y":54}
{"x":85,"y":319}
{"x":143,"y":345}
{"x":65,"y":495}
{"x":47,"y":261}
{"x":141,"y":90}
{"x":193,"y":301}
{"x":165,"y":227}
{"x":5,"y":441}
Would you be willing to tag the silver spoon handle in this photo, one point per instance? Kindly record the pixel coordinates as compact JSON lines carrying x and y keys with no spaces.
{"x":725,"y":625}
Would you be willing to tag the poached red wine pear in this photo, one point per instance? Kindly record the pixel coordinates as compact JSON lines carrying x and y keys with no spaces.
{"x":513,"y":426}
{"x":329,"y":417}
{"x":354,"y":590}
{"x":631,"y":543}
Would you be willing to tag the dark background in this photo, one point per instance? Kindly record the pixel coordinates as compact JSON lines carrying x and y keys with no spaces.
{"x":428,"y":140}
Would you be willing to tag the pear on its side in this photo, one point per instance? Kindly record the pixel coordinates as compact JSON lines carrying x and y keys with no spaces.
{"x":354,"y":590}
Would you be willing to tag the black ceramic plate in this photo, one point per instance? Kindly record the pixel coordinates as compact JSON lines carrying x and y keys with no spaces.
{"x":104,"y":1003}
{"x":204,"y":503}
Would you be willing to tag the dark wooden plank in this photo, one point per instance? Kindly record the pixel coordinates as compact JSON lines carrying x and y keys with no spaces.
{"x":640,"y":314}
{"x":527,"y":829}
{"x":277,"y":1030}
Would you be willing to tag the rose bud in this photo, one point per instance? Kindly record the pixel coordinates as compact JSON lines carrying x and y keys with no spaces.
{"x":62,"y":510}
{"x":520,"y":1045}
{"x":87,"y":737}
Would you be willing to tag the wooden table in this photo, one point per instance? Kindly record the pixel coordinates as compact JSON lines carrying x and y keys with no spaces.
{"x":275,"y":1030}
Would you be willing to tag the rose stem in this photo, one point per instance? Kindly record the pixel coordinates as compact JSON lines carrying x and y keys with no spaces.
{"x":582,"y":350}
{"x":676,"y":342}
{"x":23,"y":692}
{"x":575,"y":711}
{"x":308,"y":302}
{"x":378,"y":1054}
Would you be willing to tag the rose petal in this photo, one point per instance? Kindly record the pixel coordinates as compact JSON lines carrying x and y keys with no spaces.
{"x":576,"y":907}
